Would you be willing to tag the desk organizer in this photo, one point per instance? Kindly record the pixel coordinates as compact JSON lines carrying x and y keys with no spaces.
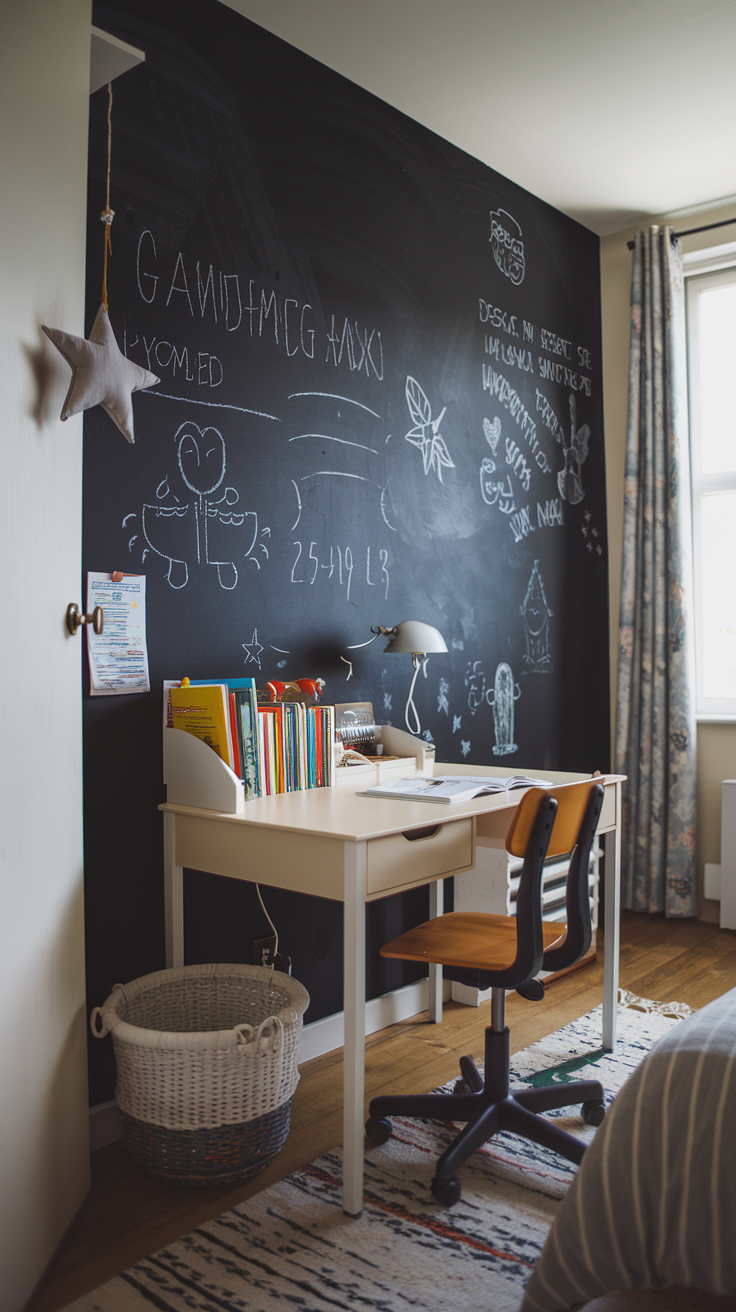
{"x":196,"y":776}
{"x":207,"y":1064}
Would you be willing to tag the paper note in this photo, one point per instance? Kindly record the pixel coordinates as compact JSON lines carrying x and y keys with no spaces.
{"x":118,"y":657}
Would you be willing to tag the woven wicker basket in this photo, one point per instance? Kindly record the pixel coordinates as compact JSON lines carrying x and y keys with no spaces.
{"x":207,"y":1065}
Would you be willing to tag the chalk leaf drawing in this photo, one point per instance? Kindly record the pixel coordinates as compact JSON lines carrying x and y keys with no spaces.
{"x":425,"y":434}
{"x":569,"y":480}
{"x":206,"y":527}
{"x":536,"y":616}
{"x":507,"y":246}
{"x":492,"y":432}
{"x":501,"y":699}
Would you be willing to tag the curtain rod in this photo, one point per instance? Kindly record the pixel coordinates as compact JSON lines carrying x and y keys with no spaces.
{"x":689,"y":232}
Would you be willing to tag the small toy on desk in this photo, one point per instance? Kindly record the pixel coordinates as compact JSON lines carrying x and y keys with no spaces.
{"x":296,"y":690}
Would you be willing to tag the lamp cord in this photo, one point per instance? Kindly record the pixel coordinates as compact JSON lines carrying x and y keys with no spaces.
{"x":410,"y":707}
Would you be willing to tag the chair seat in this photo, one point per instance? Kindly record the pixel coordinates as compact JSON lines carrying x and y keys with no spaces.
{"x":466,"y":938}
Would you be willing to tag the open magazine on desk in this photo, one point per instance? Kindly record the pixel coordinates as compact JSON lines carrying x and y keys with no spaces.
{"x":451,"y":788}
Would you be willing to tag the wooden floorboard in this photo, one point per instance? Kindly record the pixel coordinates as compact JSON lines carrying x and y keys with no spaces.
{"x":127,"y":1215}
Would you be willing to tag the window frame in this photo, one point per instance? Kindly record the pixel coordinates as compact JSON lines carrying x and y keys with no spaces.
{"x":702,"y":270}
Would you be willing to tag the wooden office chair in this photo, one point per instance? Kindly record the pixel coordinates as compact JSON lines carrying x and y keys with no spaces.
{"x":508,"y":952}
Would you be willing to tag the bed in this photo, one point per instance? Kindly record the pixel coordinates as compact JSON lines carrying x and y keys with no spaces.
{"x":653,"y":1204}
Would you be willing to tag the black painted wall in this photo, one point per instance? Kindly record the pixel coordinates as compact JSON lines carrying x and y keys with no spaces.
{"x":392,"y":356}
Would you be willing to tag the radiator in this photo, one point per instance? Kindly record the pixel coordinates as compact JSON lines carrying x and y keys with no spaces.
{"x":728,"y":854}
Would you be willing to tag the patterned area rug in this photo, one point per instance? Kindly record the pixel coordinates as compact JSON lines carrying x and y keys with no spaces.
{"x":291,"y":1247}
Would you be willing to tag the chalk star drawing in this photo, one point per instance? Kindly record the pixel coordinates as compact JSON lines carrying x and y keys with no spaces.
{"x":253,"y":650}
{"x":501,"y":698}
{"x":442,"y":702}
{"x":425,"y":434}
{"x":464,"y":746}
{"x":387,"y":701}
{"x":456,"y":723}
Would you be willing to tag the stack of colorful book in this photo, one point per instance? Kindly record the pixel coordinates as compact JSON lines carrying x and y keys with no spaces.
{"x":278,"y":748}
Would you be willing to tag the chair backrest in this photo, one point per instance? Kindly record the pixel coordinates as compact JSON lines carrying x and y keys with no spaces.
{"x":552,"y":822}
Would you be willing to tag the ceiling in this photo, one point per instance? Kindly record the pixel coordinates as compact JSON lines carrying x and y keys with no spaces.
{"x":611,"y":110}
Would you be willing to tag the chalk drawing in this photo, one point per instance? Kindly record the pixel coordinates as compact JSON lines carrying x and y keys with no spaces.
{"x":507,"y":246}
{"x":492,"y":432}
{"x":501,"y":699}
{"x":425,"y":434}
{"x":569,"y":480}
{"x":252,"y":650}
{"x":334,"y":397}
{"x":536,"y":615}
{"x":457,"y":721}
{"x":204,"y":528}
{"x":496,"y":493}
{"x":427,"y":736}
{"x":387,"y":701}
{"x":442,"y":702}
{"x":475,"y":682}
{"x":464,"y":746}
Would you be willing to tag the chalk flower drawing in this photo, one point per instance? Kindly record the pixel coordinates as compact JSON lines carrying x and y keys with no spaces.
{"x":425,"y":434}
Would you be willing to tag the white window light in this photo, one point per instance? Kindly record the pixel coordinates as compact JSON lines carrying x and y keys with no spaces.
{"x":711,"y":319}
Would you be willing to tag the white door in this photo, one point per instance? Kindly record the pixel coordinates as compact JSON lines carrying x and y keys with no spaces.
{"x":44,"y":85}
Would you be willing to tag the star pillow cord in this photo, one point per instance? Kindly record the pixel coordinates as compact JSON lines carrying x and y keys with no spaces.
{"x":101,"y":374}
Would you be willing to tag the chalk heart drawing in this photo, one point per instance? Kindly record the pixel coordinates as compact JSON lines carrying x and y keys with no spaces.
{"x":205,"y":528}
{"x":425,"y":434}
{"x":501,"y":698}
{"x":492,"y":432}
{"x":536,"y":615}
{"x":507,"y":246}
{"x":569,"y":480}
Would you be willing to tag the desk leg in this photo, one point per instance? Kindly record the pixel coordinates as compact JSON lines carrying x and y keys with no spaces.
{"x":436,"y":903}
{"x":173,"y":897}
{"x":354,"y":1004}
{"x":612,"y":929}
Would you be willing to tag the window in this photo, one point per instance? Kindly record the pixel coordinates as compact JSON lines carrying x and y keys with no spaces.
{"x":711,"y":322}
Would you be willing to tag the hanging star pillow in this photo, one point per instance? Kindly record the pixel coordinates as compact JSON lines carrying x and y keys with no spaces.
{"x":101,"y":374}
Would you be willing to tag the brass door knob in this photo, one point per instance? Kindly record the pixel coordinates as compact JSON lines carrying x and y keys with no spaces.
{"x":75,"y":617}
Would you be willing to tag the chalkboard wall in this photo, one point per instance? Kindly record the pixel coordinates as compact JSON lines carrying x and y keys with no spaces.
{"x":380,"y":400}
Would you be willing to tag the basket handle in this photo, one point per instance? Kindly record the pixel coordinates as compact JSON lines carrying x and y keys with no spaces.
{"x":248,"y":1034}
{"x":95,"y":1019}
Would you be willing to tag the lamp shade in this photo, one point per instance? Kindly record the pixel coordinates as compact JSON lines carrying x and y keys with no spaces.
{"x":416,"y":638}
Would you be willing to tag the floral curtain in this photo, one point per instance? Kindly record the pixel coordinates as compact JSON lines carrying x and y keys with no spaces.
{"x":655,"y":723}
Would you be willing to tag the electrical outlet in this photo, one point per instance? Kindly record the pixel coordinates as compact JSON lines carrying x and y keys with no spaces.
{"x":264,"y":950}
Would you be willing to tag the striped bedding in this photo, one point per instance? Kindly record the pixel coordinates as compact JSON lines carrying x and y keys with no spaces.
{"x":654,"y":1201}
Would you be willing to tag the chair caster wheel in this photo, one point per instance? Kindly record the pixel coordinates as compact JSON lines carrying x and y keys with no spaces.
{"x":461,"y":1086}
{"x":446,"y":1192}
{"x":377,"y":1131}
{"x":593,"y":1112}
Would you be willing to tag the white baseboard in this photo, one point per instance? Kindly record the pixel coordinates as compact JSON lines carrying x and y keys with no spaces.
{"x":105,"y":1121}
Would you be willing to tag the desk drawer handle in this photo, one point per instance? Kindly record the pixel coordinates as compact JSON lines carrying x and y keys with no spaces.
{"x":428,"y":831}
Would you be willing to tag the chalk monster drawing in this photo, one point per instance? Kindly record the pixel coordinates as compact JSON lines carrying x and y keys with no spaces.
{"x":569,"y":480}
{"x":425,"y":434}
{"x":501,"y":699}
{"x":507,"y":246}
{"x":204,"y":528}
{"x":536,"y":616}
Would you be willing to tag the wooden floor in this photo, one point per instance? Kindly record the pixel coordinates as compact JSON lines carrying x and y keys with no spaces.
{"x":128,"y":1216}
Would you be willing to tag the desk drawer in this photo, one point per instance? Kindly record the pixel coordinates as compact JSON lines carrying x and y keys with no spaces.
{"x":400,"y":860}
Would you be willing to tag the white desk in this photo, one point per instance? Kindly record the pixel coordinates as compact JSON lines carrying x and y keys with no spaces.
{"x":331,"y":843}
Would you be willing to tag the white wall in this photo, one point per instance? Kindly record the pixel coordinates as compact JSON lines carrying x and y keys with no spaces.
{"x":44,"y":83}
{"x":716,"y":742}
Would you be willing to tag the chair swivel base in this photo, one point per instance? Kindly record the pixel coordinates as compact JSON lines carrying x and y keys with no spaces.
{"x":488,"y":1107}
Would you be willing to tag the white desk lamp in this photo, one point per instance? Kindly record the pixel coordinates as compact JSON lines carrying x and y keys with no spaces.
{"x":418,"y":640}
